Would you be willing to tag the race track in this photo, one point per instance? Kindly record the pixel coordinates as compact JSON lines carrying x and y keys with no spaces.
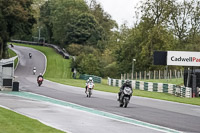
{"x":167,"y":116}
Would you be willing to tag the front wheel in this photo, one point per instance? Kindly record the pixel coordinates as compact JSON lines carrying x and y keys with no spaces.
{"x":126,"y":101}
{"x":90,"y":92}
{"x":39,"y":84}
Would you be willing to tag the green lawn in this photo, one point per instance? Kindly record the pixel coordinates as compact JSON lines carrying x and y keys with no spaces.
{"x":58,"y":76}
{"x":11,"y":122}
{"x":12,"y":54}
{"x":178,"y":81}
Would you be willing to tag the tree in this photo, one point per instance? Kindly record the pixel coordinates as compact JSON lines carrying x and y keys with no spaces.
{"x":15,"y":18}
{"x":85,"y":31}
{"x":59,"y":16}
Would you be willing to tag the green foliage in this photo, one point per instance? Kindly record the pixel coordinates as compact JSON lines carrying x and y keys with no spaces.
{"x":72,"y":21}
{"x":15,"y":18}
{"x":88,"y":64}
{"x":75,"y":49}
{"x":57,"y":16}
{"x":164,"y":25}
{"x":111,"y":70}
{"x":84,"y":30}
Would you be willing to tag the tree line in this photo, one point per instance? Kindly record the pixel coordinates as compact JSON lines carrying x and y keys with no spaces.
{"x":100,"y":46}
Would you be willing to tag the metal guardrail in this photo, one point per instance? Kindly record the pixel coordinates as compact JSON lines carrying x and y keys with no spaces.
{"x":57,"y":48}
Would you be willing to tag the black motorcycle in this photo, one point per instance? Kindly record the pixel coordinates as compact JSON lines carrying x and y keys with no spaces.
{"x":30,"y":55}
{"x":125,"y":97}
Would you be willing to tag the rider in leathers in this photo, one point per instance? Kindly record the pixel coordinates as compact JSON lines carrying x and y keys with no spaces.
{"x":89,"y":80}
{"x":126,"y":84}
{"x":40,"y":75}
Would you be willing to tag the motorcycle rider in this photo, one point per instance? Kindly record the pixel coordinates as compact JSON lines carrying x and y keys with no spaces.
{"x":30,"y":55}
{"x":89,"y":80}
{"x":34,"y":70}
{"x":126,"y":84}
{"x":40,"y":75}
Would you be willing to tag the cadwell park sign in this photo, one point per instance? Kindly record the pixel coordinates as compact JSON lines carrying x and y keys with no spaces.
{"x":183,"y":58}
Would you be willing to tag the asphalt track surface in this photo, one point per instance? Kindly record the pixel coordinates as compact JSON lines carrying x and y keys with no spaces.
{"x":180,"y":117}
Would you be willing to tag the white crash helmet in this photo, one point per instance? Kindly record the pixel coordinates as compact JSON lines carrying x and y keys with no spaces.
{"x":90,"y":78}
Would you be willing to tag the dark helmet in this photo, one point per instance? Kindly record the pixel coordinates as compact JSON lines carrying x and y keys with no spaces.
{"x":128,"y":82}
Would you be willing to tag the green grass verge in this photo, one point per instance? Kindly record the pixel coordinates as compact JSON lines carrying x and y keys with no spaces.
{"x":12,"y":54}
{"x":13,"y":122}
{"x":178,"y":81}
{"x":103,"y":86}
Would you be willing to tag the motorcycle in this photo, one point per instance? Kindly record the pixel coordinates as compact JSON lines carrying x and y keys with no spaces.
{"x":40,"y":80}
{"x":125,"y":97}
{"x":90,"y":86}
{"x":34,"y":71}
{"x":30,"y":55}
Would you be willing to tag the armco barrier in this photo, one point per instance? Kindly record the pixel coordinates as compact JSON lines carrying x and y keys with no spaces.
{"x":179,"y":91}
{"x":57,"y":48}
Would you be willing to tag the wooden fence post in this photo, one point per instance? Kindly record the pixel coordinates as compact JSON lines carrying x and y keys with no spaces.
{"x":175,"y":73}
{"x":136,"y":75}
{"x":159,"y":74}
{"x":131,"y":76}
{"x":149,"y":74}
{"x":181,"y":73}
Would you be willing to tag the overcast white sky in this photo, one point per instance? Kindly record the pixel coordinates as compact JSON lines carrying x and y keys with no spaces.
{"x":120,"y":10}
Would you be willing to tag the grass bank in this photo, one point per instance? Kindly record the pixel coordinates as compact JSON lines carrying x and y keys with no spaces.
{"x":58,"y":77}
{"x":13,"y":122}
{"x":13,"y":54}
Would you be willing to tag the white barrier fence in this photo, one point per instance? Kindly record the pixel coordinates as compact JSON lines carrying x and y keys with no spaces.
{"x":179,"y":91}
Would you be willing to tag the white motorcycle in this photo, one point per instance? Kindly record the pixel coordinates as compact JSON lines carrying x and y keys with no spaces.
{"x":125,"y":97}
{"x":90,"y":86}
{"x":34,"y":71}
